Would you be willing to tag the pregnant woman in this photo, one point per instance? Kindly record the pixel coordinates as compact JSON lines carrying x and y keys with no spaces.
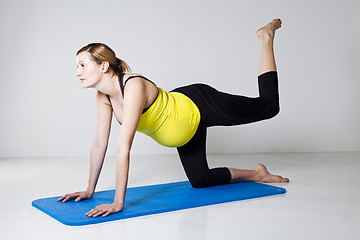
{"x":178,"y":118}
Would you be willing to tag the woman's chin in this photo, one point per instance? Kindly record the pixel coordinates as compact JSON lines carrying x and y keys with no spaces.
{"x":84,"y":85}
{"x":88,"y":84}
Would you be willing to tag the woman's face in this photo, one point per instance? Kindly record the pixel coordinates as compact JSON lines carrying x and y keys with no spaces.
{"x":87,"y":70}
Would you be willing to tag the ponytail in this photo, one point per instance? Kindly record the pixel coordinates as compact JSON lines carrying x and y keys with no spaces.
{"x":122,"y":66}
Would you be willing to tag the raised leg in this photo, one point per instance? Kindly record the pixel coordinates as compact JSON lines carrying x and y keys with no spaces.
{"x":267,"y":64}
{"x":266,"y":34}
{"x":221,"y":109}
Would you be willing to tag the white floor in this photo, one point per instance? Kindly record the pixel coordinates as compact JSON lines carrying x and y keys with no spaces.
{"x":322,"y":199}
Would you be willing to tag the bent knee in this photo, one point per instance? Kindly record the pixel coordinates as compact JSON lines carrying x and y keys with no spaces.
{"x":200,"y":183}
{"x":272,"y":110}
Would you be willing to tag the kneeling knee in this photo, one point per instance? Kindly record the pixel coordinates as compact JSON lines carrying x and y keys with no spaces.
{"x":199,"y":183}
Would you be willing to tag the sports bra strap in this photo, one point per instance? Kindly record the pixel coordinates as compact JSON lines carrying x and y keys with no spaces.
{"x":121,"y":76}
{"x":138,"y":77}
{"x":122,"y":86}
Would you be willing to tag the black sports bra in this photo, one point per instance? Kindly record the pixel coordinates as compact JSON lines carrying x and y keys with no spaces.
{"x":122,"y":87}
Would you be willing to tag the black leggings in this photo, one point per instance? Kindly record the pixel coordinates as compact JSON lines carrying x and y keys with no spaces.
{"x":223,"y":109}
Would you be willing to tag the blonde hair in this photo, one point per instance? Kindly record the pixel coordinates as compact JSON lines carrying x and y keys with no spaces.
{"x":101,"y":52}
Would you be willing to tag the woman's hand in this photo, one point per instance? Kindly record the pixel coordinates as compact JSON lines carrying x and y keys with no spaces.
{"x":78,"y":196}
{"x":105,"y":210}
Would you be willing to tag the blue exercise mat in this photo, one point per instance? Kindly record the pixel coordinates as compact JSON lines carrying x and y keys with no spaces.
{"x":146,"y":200}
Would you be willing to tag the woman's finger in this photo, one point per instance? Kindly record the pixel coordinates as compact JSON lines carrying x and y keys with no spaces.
{"x":79,"y":198}
{"x":61,"y":198}
{"x":104,"y":210}
{"x":106,"y":214}
{"x":100,"y":212}
{"x":71,"y":196}
{"x":97,"y":214}
{"x":94,"y":211}
{"x":67,"y":197}
{"x":91,"y":212}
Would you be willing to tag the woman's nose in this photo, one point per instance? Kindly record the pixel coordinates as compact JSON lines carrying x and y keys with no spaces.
{"x":77,"y":73}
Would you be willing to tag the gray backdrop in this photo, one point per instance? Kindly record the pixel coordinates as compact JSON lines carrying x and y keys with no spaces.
{"x":45,"y":111}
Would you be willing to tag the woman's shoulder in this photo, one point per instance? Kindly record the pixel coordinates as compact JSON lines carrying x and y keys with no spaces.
{"x":132,"y":75}
{"x":135,"y":76}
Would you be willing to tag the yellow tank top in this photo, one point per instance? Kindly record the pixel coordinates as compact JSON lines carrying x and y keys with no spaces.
{"x":171,"y":120}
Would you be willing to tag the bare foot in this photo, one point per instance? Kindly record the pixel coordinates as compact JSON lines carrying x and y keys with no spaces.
{"x":268,"y":31}
{"x":262,"y":175}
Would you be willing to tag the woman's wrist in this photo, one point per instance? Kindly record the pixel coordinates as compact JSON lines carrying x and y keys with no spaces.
{"x":118,"y":202}
{"x":90,"y":191}
{"x":118,"y":207}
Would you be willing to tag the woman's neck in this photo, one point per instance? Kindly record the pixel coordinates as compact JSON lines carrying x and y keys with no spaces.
{"x":109,"y":84}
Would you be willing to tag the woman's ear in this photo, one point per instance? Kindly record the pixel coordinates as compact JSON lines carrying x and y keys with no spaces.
{"x":105,"y":66}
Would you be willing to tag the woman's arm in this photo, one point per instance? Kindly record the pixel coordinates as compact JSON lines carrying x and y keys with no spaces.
{"x":98,"y":148}
{"x":134,"y":102}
